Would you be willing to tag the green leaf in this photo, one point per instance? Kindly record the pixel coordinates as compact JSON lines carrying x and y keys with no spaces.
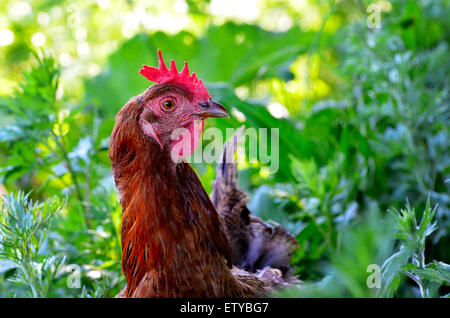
{"x":392,"y":270}
{"x":438,"y":272}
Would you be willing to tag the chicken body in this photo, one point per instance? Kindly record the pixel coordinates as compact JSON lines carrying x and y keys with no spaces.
{"x":174,"y":243}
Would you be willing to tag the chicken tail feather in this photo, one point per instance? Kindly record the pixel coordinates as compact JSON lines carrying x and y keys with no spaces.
{"x":257,"y":246}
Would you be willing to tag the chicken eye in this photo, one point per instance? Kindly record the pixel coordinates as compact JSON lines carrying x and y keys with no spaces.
{"x":168,"y":104}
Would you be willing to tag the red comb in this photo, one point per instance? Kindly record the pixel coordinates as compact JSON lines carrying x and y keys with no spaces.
{"x":163,"y":75}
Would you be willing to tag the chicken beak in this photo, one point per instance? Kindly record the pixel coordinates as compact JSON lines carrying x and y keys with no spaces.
{"x":211,"y":109}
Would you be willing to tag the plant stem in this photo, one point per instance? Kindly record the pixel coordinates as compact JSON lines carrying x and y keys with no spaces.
{"x":29,"y":271}
{"x":73,"y":175}
{"x":421,"y":261}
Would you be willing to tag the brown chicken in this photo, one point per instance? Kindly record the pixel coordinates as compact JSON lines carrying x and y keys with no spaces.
{"x":174,"y":243}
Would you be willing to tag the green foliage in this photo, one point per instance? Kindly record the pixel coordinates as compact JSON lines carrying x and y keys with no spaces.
{"x":369,"y":241}
{"x":24,"y":227}
{"x":411,"y":256}
{"x":34,"y":111}
{"x":43,"y":145}
{"x":363,"y":127}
